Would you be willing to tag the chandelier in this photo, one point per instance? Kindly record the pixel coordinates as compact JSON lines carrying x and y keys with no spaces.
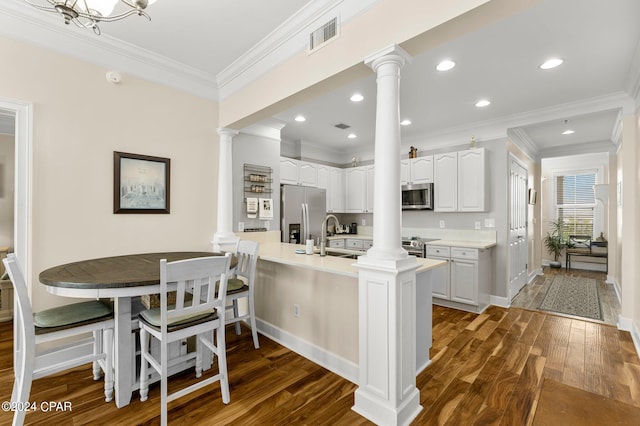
{"x":89,"y":13}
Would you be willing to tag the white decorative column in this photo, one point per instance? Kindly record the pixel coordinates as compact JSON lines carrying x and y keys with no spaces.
{"x":224,"y":238}
{"x":387,"y":393}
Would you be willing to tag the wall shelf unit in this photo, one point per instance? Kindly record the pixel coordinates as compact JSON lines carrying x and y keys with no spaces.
{"x":257,"y":181}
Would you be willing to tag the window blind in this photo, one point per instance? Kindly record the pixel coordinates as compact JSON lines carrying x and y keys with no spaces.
{"x":575,"y":202}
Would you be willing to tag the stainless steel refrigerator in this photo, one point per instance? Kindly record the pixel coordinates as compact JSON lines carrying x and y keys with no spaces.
{"x":302,"y":210}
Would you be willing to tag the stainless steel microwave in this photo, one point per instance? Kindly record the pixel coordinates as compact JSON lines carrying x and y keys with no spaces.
{"x":417,"y":196}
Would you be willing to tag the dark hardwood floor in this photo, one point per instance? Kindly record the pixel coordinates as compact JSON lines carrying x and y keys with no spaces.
{"x":487,"y":369}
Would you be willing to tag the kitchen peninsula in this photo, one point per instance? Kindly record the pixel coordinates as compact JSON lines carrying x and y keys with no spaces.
{"x":309,"y":303}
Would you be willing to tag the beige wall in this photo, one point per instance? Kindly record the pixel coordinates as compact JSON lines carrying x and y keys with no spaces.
{"x":79,"y":119}
{"x":628,"y":226}
{"x":7,"y":153}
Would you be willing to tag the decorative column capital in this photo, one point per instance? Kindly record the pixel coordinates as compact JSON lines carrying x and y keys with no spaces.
{"x":390,"y":54}
{"x":225,"y":131}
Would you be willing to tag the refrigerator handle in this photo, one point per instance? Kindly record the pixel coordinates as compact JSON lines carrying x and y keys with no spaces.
{"x":307,"y":234}
{"x":303,"y":234}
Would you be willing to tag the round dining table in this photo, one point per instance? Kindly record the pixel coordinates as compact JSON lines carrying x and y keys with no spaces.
{"x":120,"y":278}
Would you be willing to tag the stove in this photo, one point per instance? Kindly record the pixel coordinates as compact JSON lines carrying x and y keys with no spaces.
{"x":416,"y":246}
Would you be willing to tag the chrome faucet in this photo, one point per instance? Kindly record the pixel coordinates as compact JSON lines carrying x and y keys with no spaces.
{"x":323,"y":236}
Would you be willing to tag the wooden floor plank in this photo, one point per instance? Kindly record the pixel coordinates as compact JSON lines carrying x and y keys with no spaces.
{"x":486,"y":369}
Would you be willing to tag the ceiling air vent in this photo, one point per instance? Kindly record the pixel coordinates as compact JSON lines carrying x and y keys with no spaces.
{"x":342,"y":126}
{"x":323,"y":34}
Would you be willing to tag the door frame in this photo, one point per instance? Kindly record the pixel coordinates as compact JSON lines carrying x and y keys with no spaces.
{"x":23,"y":166}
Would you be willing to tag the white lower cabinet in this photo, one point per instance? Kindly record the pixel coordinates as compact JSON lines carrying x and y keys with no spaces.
{"x":336,"y":243}
{"x":464,"y":282}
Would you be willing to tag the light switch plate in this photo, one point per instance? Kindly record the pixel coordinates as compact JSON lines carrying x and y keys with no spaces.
{"x":490,"y":223}
{"x":240,"y":226}
{"x":267,"y":224}
{"x":442,"y":224}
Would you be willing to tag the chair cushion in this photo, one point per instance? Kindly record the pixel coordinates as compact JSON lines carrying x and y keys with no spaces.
{"x":152,"y":318}
{"x":70,"y":315}
{"x":234,"y":285}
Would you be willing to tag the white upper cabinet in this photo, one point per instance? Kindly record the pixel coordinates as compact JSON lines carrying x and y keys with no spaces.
{"x":369,"y":199}
{"x":288,"y":171}
{"x":359,"y":189}
{"x":459,"y":181}
{"x":471,"y":180}
{"x":445,"y":188}
{"x":295,"y":172}
{"x":308,"y":174}
{"x":330,"y":179}
{"x":335,"y":202}
{"x":356,"y":189}
{"x":416,"y":170}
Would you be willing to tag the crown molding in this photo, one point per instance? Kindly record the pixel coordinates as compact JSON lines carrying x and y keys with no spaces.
{"x":521,"y":139}
{"x":616,"y":133}
{"x":577,"y":149}
{"x":269,"y":129}
{"x":287,"y":40}
{"x":497,"y":128}
{"x":23,"y":23}
{"x":633,"y":81}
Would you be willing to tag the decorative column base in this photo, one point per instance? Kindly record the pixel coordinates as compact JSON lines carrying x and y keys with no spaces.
{"x":387,"y":392}
{"x":225,"y":241}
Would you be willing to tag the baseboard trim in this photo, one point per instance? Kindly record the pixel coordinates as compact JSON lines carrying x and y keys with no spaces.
{"x":342,"y":367}
{"x":627,"y":324}
{"x":503,"y":302}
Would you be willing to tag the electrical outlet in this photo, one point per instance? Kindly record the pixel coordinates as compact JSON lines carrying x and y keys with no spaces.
{"x":267,"y":225}
{"x":478,"y":224}
{"x":296,"y":310}
{"x":442,"y":224}
{"x":363,"y":222}
{"x":240,"y":226}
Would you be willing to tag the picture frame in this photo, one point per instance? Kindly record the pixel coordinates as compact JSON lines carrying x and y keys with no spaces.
{"x":533,"y":196}
{"x":141,"y":183}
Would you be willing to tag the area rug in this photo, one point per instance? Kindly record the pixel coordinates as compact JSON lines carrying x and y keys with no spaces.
{"x":560,"y":404}
{"x":573,"y":296}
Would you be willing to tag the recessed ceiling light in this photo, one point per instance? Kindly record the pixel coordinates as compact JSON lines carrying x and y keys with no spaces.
{"x":356,"y":97}
{"x":445,"y":65}
{"x":568,"y":132}
{"x":483,"y":103}
{"x":300,"y":118}
{"x":405,"y":122}
{"x":551,"y":63}
{"x":352,"y":136}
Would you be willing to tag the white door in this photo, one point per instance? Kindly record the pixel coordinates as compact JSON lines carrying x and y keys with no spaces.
{"x":518,"y":246}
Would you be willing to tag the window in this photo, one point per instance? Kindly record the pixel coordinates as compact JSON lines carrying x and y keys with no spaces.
{"x":575,"y":202}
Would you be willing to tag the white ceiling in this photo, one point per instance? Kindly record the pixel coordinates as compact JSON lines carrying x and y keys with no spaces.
{"x":599,"y":41}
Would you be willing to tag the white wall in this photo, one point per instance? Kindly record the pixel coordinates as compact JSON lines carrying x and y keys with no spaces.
{"x":79,"y":119}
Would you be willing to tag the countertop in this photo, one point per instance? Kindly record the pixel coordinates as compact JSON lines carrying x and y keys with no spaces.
{"x":351,"y":236}
{"x":285,"y":254}
{"x":478,"y":244}
{"x":466,"y":244}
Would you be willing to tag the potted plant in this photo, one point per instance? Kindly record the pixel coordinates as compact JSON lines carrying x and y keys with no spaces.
{"x":554,"y":242}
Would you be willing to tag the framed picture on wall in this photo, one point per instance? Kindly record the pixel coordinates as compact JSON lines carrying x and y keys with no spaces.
{"x":140,"y":183}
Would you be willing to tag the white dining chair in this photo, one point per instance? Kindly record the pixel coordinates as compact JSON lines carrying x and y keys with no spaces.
{"x":242,"y":286}
{"x":198,"y":312}
{"x":54,"y":340}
